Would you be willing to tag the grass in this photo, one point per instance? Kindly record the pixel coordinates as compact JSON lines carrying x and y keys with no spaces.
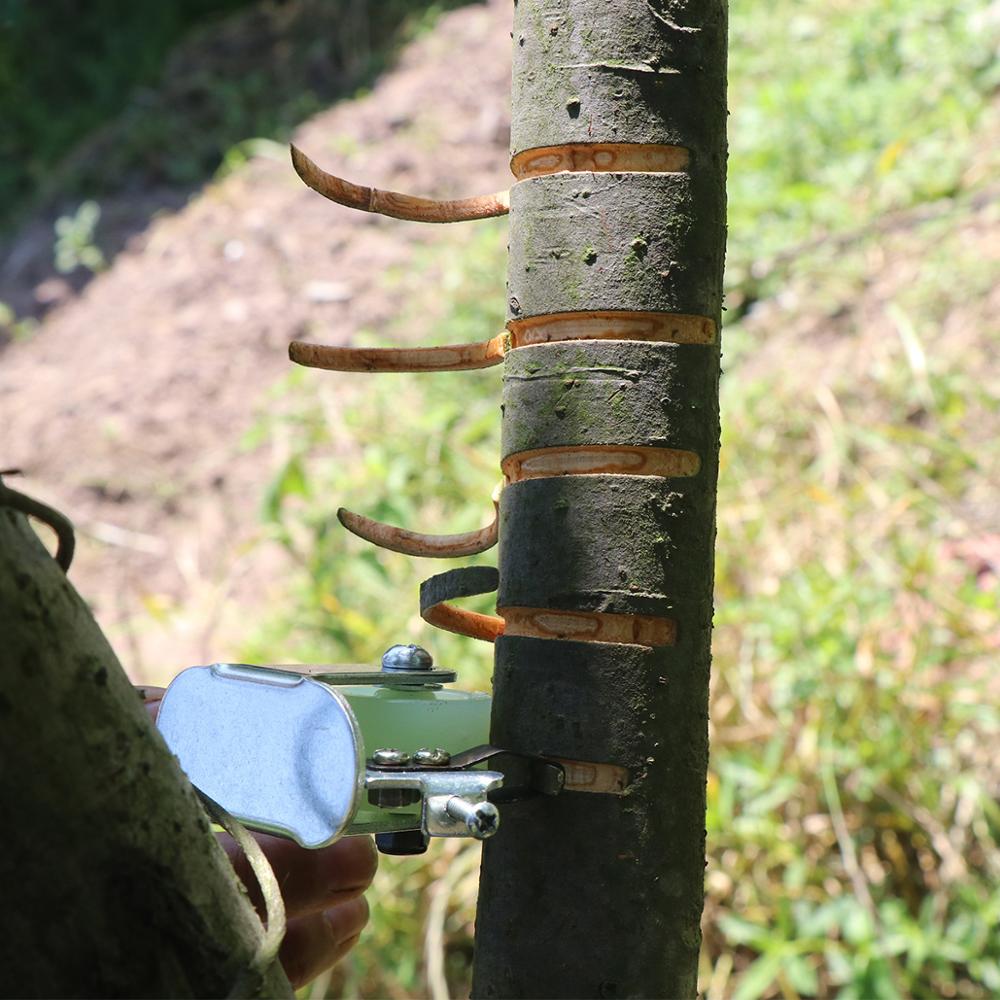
{"x":852,"y":831}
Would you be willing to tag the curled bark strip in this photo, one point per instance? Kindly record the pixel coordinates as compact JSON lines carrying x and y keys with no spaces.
{"x":592,"y":460}
{"x":469,"y":581}
{"x":394,"y":204}
{"x":589,"y":626}
{"x":413,"y":543}
{"x":448,"y":358}
{"x":627,"y":157}
{"x":59,"y":523}
{"x":671,"y":328}
{"x":582,"y":776}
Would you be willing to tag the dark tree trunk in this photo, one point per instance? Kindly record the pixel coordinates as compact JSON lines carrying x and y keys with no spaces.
{"x":598,"y":895}
{"x":112,"y":883}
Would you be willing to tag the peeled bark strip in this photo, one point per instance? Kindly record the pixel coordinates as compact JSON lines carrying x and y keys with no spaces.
{"x":469,"y":581}
{"x":394,"y":204}
{"x":415,"y":543}
{"x":601,"y":896}
{"x":113,"y":884}
{"x":446,"y":358}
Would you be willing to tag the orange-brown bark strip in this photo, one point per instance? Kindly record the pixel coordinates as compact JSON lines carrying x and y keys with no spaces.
{"x":589,"y":626}
{"x":413,"y":543}
{"x":655,"y":327}
{"x":662,"y":327}
{"x":598,"y":157}
{"x":582,"y":776}
{"x":592,"y":460}
{"x":546,"y":623}
{"x":394,"y":204}
{"x":462,"y":622}
{"x":447,"y":358}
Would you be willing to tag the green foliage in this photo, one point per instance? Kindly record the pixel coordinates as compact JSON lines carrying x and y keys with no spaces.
{"x":13,"y":328}
{"x":414,"y":450}
{"x":840,"y":113}
{"x":161,"y":93}
{"x":75,"y":245}
{"x":853,"y":839}
{"x":852,"y":833}
{"x":65,"y":67}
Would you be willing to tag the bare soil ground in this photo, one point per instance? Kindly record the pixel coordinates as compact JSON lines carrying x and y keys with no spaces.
{"x":129,"y":406}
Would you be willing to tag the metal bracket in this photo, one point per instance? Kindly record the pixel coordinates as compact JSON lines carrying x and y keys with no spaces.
{"x":454,"y":801}
{"x":525,"y":775}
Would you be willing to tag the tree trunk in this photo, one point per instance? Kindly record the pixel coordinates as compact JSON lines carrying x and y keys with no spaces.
{"x":113,"y":884}
{"x":617,"y":232}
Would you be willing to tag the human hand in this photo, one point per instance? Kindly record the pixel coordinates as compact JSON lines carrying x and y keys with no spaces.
{"x":322,"y":889}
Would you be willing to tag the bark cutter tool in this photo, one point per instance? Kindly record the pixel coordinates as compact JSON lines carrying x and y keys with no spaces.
{"x":318,"y":753}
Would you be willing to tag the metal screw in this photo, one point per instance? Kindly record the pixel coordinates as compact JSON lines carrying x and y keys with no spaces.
{"x":432,"y":758}
{"x":390,"y":757}
{"x":482,"y":819}
{"x":400,"y":658}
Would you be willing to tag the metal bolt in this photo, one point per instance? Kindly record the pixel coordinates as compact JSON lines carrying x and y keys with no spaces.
{"x":482,"y":818}
{"x":399,"y":659}
{"x":390,"y":757}
{"x":432,"y":758}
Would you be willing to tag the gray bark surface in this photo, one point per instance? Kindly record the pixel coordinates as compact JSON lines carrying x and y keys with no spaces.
{"x":596,"y":895}
{"x":608,"y":393}
{"x":594,"y":241}
{"x":113,"y":884}
{"x":620,"y":544}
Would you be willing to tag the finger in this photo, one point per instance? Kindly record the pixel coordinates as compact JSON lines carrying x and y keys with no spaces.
{"x":315,"y":942}
{"x":151,"y":697}
{"x":310,"y":880}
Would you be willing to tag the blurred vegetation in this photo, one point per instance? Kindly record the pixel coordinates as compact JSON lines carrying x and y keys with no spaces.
{"x":853,"y":823}
{"x":853,"y":826}
{"x":108,"y":94}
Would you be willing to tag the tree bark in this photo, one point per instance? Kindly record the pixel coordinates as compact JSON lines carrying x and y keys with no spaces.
{"x":599,"y":895}
{"x":113,"y":884}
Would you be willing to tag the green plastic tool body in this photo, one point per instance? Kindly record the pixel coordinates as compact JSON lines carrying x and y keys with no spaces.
{"x":410,"y":718}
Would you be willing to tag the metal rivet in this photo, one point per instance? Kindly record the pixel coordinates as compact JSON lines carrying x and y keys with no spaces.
{"x":428,"y":757}
{"x":400,"y":658}
{"x":390,"y":757}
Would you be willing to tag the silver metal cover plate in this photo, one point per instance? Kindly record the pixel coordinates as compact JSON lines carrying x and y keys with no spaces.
{"x":281,"y":752}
